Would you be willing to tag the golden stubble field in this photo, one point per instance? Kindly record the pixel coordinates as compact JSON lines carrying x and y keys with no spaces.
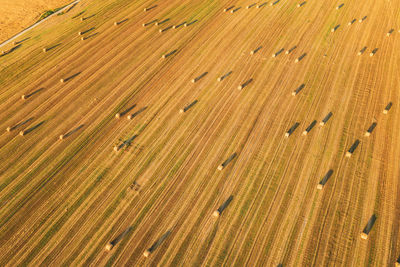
{"x":103,"y":167}
{"x":16,"y":15}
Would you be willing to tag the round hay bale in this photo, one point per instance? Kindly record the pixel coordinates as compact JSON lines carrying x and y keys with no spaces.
{"x":297,"y":60}
{"x":164,"y":56}
{"x":385,"y":111}
{"x":371,"y":54}
{"x":115,"y":23}
{"x":364,"y":236}
{"x":21,"y":133}
{"x":156,"y":23}
{"x":82,"y":19}
{"x":367,"y":134}
{"x":319,"y":186}
{"x":348,"y":154}
{"x":181,"y":111}
{"x":305,"y":133}
{"x":82,"y":38}
{"x":287,"y":135}
{"x":219,"y":79}
{"x":145,"y":9}
{"x":160,"y":30}
{"x":23,"y":97}
{"x":397,"y":264}
{"x":333,"y":29}
{"x":118,"y":115}
{"x":146,"y":253}
{"x":79,"y":33}
{"x":220,"y":167}
{"x":273,"y":55}
{"x":109,"y":246}
{"x":45,"y":50}
{"x":61,"y":137}
{"x":322,"y":123}
{"x":240,"y":87}
{"x":298,"y":5}
{"x":129,"y":117}
{"x":62,"y":80}
{"x":216,"y":213}
{"x":144,"y":24}
{"x":8,"y":129}
{"x":115,"y":148}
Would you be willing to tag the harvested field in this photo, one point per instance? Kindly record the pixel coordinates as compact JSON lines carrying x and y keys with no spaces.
{"x":68,"y":203}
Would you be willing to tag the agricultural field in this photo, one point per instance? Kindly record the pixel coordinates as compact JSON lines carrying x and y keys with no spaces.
{"x":188,"y":133}
{"x":16,"y":15}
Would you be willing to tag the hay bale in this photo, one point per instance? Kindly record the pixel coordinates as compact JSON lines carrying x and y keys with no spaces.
{"x":325,"y":120}
{"x":387,"y":108}
{"x":255,"y":50}
{"x":22,"y":133}
{"x":165,"y":29}
{"x":188,"y":107}
{"x":226,"y":162}
{"x":278,"y":52}
{"x":109,"y":246}
{"x":229,"y":8}
{"x":370,"y":129}
{"x":179,"y":25}
{"x":339,"y":6}
{"x":292,"y":129}
{"x":45,"y":50}
{"x":390,"y":32}
{"x":310,"y":127}
{"x":250,"y":6}
{"x":352,"y":148}
{"x":290,"y":50}
{"x":224,"y":76}
{"x":62,"y":80}
{"x":199,"y":77}
{"x":116,"y":23}
{"x":300,"y":58}
{"x":240,"y":87}
{"x":234,"y":10}
{"x":364,"y":18}
{"x":61,"y":137}
{"x":351,"y":22}
{"x":169,"y":54}
{"x":301,"y":4}
{"x":362,"y":51}
{"x":116,"y":148}
{"x":373,"y":52}
{"x":118,"y":115}
{"x":221,"y":208}
{"x":8,"y":129}
{"x":295,"y":92}
{"x":23,"y":97}
{"x":80,"y":33}
{"x":274,"y":3}
{"x":335,"y":28}
{"x":146,"y":253}
{"x":325,"y":179}
{"x":368,"y":227}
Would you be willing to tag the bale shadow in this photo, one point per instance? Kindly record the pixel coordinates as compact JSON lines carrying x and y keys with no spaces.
{"x":53,"y":47}
{"x":77,"y":15}
{"x":70,"y":77}
{"x":89,"y":17}
{"x":190,"y":23}
{"x":150,"y":8}
{"x":88,"y":30}
{"x":90,"y":36}
{"x":121,"y":22}
{"x":23,"y":40}
{"x":33,"y":93}
{"x":32,"y":128}
{"x":9,"y":129}
{"x":127,"y":110}
{"x":130,"y":117}
{"x":70,"y":8}
{"x":162,"y":22}
{"x":74,"y":130}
